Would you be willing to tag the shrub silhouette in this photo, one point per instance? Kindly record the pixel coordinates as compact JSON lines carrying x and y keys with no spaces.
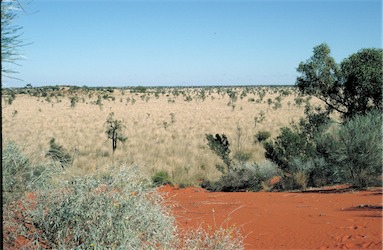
{"x":59,"y":154}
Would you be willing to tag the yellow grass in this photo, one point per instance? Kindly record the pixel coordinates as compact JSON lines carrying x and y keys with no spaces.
{"x":180,"y":149}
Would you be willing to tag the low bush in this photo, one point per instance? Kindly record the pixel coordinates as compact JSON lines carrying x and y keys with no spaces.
{"x":219,"y":239}
{"x":114,"y":210}
{"x":262,"y":136}
{"x":59,"y":154}
{"x":161,"y":178}
{"x":242,"y":177}
{"x":20,"y":174}
{"x":117,"y":209}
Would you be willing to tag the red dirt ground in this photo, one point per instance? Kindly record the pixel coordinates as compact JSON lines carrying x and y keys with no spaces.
{"x":324,"y":219}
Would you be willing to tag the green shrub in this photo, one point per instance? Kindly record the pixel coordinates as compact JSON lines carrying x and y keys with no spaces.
{"x":161,"y":178}
{"x":267,"y":170}
{"x":220,"y":146}
{"x":20,"y":173}
{"x":290,"y":144}
{"x":59,"y":154}
{"x":238,"y":178}
{"x":358,"y":152}
{"x":262,"y":136}
{"x":117,"y":210}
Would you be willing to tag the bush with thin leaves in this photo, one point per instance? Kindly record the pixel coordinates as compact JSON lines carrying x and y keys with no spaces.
{"x":240,"y":177}
{"x":262,"y":136}
{"x":59,"y":154}
{"x":161,"y":178}
{"x":114,"y":210}
{"x":219,"y":239}
{"x":20,"y":175}
{"x":358,"y":153}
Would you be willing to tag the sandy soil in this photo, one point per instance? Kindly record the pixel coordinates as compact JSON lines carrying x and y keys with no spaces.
{"x":327,"y":219}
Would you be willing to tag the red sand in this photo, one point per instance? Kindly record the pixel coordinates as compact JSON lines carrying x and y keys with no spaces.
{"x":285,"y":220}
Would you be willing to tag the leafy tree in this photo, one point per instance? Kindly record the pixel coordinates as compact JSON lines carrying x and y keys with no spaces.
{"x":114,"y":131}
{"x":352,"y":87}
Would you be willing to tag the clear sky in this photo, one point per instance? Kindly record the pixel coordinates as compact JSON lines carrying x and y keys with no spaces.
{"x":151,"y":43}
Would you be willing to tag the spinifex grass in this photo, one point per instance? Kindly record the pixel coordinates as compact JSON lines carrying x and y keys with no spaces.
{"x":180,"y":149}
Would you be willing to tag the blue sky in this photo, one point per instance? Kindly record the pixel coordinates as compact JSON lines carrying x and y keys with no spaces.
{"x":129,"y":43}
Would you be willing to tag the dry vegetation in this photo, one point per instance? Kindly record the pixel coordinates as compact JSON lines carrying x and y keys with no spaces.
{"x":165,"y":127}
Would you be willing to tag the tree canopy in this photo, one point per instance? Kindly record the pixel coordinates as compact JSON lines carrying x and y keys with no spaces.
{"x":352,"y":87}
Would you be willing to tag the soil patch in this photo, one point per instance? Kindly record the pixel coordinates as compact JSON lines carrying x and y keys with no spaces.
{"x":285,"y":220}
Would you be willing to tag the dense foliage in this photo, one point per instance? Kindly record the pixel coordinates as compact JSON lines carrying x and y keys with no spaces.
{"x":352,"y":87}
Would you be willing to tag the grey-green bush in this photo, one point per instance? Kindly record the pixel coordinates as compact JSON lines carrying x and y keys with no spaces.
{"x":239,"y":177}
{"x":117,"y":210}
{"x":19,"y":173}
{"x":359,"y":150}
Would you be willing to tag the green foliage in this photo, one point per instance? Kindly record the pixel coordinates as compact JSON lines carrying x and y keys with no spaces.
{"x":73,"y":101}
{"x":262,"y":136}
{"x":260,"y":118}
{"x":309,"y":154}
{"x":220,"y":146}
{"x":117,"y":210}
{"x":139,"y":89}
{"x":236,"y":175}
{"x":353,"y":87}
{"x":288,"y":145}
{"x":358,"y":151}
{"x":161,"y":178}
{"x":114,"y":131}
{"x":59,"y":154}
{"x":241,"y":156}
{"x":362,"y":81}
{"x":19,"y":173}
{"x":241,"y":177}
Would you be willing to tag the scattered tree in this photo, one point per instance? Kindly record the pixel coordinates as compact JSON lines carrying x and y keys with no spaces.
{"x":114,"y":131}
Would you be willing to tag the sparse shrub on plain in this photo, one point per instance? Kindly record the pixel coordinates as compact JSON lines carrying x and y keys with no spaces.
{"x":161,"y":178}
{"x":260,"y":118}
{"x":73,"y":101}
{"x":262,"y":136}
{"x":59,"y":154}
{"x":114,"y":131}
{"x":220,"y":146}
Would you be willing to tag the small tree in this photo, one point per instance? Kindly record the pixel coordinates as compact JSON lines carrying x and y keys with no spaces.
{"x":220,"y":146}
{"x":114,"y":131}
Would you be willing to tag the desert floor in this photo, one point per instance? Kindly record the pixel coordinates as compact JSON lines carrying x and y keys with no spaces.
{"x":327,"y":219}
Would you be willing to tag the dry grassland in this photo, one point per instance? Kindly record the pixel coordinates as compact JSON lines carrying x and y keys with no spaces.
{"x":180,"y":148}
